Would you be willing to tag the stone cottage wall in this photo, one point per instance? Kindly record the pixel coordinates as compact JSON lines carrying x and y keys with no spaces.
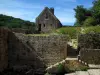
{"x":51,"y":49}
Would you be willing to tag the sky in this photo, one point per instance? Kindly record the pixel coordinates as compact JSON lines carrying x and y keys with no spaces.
{"x":30,"y":9}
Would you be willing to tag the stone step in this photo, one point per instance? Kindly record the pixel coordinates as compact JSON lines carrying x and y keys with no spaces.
{"x":71,"y":59}
{"x":94,"y":66}
{"x":71,"y":74}
{"x":94,"y":71}
{"x":82,"y":73}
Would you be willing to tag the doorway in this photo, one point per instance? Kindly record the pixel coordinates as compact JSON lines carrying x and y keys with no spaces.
{"x":39,"y":28}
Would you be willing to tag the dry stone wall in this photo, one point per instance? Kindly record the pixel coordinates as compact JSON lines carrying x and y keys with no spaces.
{"x":20,"y":54}
{"x":89,"y":41}
{"x":89,"y":48}
{"x":3,"y":49}
{"x":15,"y":54}
{"x":51,"y":49}
{"x":36,"y":52}
{"x":91,"y":56}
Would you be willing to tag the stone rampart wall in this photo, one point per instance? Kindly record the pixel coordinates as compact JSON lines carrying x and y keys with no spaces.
{"x":51,"y":49}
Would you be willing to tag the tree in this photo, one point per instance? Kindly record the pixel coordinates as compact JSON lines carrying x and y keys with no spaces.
{"x":81,"y":15}
{"x":96,"y":11}
{"x":11,"y":22}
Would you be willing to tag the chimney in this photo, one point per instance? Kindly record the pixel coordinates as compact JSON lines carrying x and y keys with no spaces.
{"x":52,"y":10}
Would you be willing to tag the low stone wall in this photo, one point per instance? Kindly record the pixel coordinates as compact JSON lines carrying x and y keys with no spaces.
{"x":91,"y":56}
{"x":89,"y":47}
{"x":15,"y":54}
{"x":51,"y":48}
{"x":36,"y":52}
{"x":20,"y":54}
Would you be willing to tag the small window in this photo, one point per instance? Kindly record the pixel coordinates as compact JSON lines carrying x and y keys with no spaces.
{"x":46,"y":16}
{"x":44,"y":25}
{"x":51,"y":24}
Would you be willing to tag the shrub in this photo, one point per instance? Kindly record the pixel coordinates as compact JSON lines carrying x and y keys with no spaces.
{"x":70,"y":31}
{"x":61,"y":69}
{"x":92,"y":29}
{"x":89,"y":22}
{"x":47,"y":74}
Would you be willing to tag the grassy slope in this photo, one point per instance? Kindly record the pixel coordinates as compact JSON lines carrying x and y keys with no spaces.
{"x":74,"y":31}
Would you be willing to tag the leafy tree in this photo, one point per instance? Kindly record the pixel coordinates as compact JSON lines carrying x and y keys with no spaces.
{"x":81,"y":15}
{"x":96,"y":10}
{"x":11,"y":22}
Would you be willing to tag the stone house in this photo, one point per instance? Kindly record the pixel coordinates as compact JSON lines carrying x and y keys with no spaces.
{"x":47,"y":21}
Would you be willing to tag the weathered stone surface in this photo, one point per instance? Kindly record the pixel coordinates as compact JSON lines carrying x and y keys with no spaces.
{"x":71,"y":74}
{"x":89,"y":41}
{"x":89,"y":48}
{"x":35,"y":52}
{"x":91,"y":56}
{"x":21,"y":54}
{"x":14,"y":53}
{"x":82,"y":73}
{"x":89,"y":72}
{"x":94,"y":72}
{"x":51,"y":49}
{"x":3,"y":49}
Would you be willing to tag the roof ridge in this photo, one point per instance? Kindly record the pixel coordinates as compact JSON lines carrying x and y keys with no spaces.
{"x":49,"y":12}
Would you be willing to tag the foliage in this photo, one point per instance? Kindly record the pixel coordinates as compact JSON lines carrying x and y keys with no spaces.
{"x":11,"y":22}
{"x":81,"y":14}
{"x":73,"y":65}
{"x":47,"y":74}
{"x":92,"y":29}
{"x":36,"y":34}
{"x":61,"y":69}
{"x":96,"y":10}
{"x":90,"y":21}
{"x":88,"y":17}
{"x":76,"y":24}
{"x":70,"y":31}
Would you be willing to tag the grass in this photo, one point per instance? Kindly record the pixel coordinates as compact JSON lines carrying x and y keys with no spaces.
{"x":72,"y":66}
{"x":37,"y":34}
{"x":73,"y":32}
{"x":92,"y":29}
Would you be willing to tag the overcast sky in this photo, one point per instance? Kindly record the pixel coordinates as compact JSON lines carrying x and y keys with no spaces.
{"x":30,"y":9}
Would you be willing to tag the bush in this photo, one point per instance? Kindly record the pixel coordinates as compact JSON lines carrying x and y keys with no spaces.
{"x":61,"y":69}
{"x":89,"y":22}
{"x":92,"y":29}
{"x":73,"y":65}
{"x":70,"y":31}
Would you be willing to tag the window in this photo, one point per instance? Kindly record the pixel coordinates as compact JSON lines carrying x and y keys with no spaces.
{"x":44,"y":25}
{"x":46,"y":16}
{"x":39,"y":28}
